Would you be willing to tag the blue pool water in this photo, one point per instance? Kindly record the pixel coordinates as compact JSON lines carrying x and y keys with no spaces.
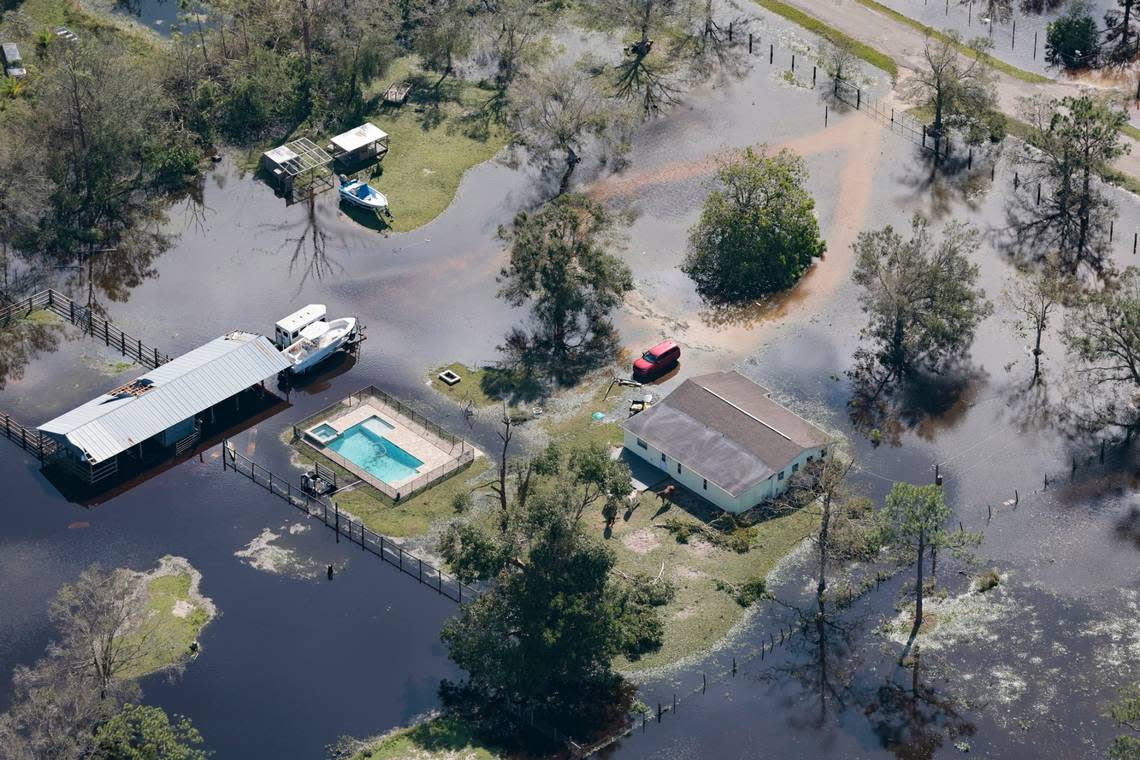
{"x":363,"y":444}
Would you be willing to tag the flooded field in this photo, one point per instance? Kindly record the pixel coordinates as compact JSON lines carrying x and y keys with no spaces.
{"x":1027,"y":670}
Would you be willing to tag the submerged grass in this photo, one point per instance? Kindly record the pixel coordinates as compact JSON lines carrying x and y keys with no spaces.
{"x":438,"y":739}
{"x":869,"y":54}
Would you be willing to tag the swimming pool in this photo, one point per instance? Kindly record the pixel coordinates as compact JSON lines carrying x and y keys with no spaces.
{"x":364,"y":445}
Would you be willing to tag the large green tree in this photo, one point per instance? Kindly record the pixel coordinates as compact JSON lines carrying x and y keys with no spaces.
{"x":921,"y":299}
{"x":757,"y":233}
{"x":1072,"y":40}
{"x":1069,"y":151}
{"x":559,"y":264}
{"x":543,"y":637}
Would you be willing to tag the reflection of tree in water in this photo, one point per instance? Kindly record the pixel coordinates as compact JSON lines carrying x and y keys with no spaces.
{"x":923,"y":402}
{"x":309,"y":252}
{"x":913,"y":720}
{"x":23,"y":340}
{"x":820,"y":661}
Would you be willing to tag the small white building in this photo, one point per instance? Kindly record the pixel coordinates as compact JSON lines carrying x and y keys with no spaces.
{"x":723,"y":437}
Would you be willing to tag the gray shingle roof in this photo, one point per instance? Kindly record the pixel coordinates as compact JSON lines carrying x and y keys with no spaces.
{"x":725,"y":428}
{"x":179,"y":389}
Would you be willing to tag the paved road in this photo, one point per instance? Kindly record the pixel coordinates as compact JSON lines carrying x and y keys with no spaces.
{"x":905,"y":44}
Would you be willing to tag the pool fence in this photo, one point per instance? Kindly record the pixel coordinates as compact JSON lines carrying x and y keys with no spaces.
{"x":328,"y":512}
{"x":461,"y":452}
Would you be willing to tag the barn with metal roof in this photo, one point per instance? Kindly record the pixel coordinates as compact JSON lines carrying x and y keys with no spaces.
{"x":162,"y":407}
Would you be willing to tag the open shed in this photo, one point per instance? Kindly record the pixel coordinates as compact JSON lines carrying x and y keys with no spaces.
{"x":363,"y":143}
{"x":297,"y":164}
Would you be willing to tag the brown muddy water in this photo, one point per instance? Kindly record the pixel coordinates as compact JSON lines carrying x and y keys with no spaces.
{"x":1025,"y":671}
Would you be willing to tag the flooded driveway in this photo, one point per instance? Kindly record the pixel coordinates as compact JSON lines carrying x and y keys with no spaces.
{"x":302,"y":661}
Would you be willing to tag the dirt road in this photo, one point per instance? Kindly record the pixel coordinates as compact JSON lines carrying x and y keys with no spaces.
{"x":905,"y":44}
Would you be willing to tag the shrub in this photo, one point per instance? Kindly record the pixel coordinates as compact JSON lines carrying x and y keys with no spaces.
{"x":987,"y":581}
{"x":1071,"y":40}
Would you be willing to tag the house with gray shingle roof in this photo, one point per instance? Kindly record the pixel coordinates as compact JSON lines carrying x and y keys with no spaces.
{"x":724,"y":438}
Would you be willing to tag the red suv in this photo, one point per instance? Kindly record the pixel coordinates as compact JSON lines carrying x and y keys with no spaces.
{"x":657,"y":359}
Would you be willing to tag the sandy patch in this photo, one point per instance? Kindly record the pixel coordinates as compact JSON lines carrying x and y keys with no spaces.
{"x":701,"y":547}
{"x":685,"y":573}
{"x":182,"y":609}
{"x":642,"y":541}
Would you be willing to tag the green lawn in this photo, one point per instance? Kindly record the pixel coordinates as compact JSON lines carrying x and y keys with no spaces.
{"x":172,"y":621}
{"x":700,"y":613}
{"x":1010,"y":69}
{"x":812,"y":24}
{"x":438,"y":739}
{"x":431,"y":148}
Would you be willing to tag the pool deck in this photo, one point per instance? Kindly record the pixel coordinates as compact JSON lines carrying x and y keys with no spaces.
{"x":426,"y":448}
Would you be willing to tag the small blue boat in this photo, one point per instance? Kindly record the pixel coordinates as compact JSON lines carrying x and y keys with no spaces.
{"x":362,"y":194}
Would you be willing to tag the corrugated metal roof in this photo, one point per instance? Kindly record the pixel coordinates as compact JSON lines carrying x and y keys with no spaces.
{"x":181,"y":388}
{"x":725,"y":428}
{"x":357,"y":138}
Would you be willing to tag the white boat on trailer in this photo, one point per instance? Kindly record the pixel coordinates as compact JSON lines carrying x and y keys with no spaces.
{"x":306,"y":338}
{"x":363,"y":195}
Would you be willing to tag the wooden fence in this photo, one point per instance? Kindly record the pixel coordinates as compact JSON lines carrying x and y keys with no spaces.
{"x":97,"y":327}
{"x":27,"y":438}
{"x":898,"y":122}
{"x":327,"y":511}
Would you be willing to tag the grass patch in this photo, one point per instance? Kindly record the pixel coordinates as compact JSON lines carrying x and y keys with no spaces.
{"x":435,"y":138}
{"x":812,"y":24}
{"x":411,"y":517}
{"x":1131,"y":131}
{"x":437,"y":739}
{"x":579,"y":428}
{"x":999,"y":65}
{"x":169,"y":635}
{"x":472,"y":386}
{"x":714,"y":585}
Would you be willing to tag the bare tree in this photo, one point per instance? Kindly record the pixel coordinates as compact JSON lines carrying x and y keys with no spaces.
{"x":959,"y":90}
{"x":99,"y":629}
{"x":1033,"y":297}
{"x":838,"y":59}
{"x":557,"y":112}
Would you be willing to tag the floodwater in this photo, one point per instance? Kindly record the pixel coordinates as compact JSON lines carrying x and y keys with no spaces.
{"x":303,"y":661}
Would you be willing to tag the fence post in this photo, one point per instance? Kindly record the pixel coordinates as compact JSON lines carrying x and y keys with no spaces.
{"x":771,"y":53}
{"x":71,"y":311}
{"x":421,"y":575}
{"x":858,"y":99}
{"x":337,"y":508}
{"x":439,"y":580}
{"x":156,"y":362}
{"x":106,"y":333}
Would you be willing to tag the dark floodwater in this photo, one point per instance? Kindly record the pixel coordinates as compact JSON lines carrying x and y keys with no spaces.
{"x":291,"y":664}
